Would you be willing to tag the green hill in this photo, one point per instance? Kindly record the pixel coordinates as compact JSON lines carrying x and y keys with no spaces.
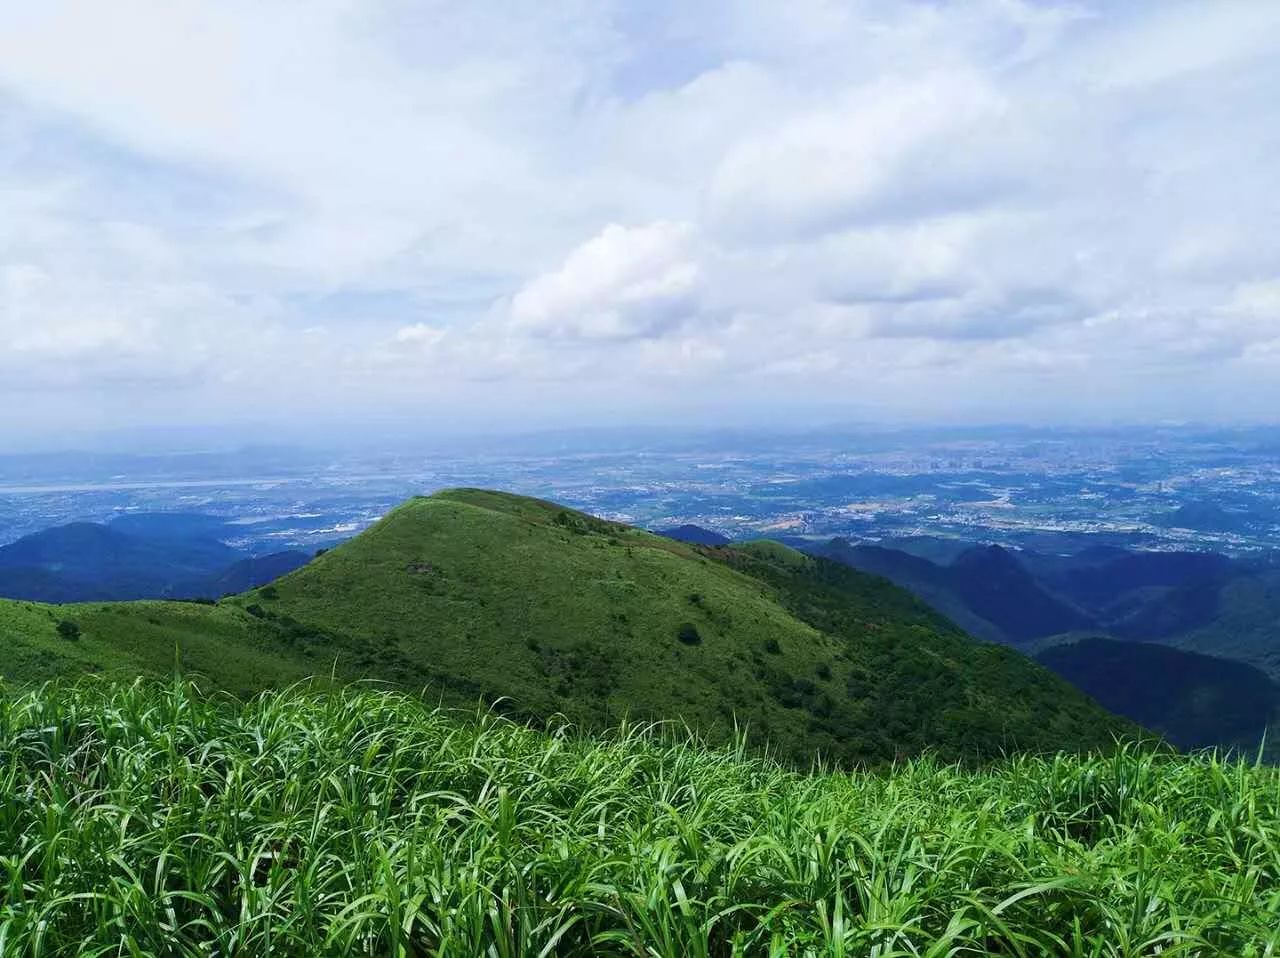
{"x":1246,"y":624}
{"x":1196,"y":701}
{"x":542,"y":610}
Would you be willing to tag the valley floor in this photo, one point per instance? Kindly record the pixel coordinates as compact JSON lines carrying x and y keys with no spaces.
{"x":152,"y":819}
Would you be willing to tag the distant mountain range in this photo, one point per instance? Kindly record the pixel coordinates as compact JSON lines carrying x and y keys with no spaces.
{"x":1196,"y":600}
{"x":156,"y":556}
{"x":1217,"y":617}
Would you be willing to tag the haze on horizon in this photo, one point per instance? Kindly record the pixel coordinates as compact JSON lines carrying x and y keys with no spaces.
{"x":587,"y":212}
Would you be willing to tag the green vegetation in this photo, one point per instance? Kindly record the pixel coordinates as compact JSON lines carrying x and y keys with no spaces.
{"x":542,"y":611}
{"x":1199,"y":602}
{"x":549,"y":611}
{"x":147,"y":819}
{"x":125,"y":639}
{"x":1244,"y":624}
{"x":1196,"y":701}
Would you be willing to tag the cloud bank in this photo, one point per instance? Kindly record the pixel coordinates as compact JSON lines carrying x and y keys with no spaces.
{"x":592,"y":211}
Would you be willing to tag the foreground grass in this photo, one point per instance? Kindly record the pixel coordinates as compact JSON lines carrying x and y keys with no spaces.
{"x":149,"y":819}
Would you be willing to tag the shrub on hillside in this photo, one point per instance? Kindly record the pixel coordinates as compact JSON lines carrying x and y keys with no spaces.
{"x":688,"y":634}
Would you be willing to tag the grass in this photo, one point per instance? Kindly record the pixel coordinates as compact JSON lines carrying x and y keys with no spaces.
{"x":242,"y":654}
{"x":150,"y":819}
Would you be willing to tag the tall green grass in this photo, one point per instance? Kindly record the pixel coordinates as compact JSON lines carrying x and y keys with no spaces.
{"x":150,"y":819}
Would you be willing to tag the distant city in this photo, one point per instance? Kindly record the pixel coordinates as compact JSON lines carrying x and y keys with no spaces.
{"x":1169,"y":488}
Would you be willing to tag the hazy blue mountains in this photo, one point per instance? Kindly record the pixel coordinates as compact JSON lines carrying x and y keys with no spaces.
{"x":135,"y":557}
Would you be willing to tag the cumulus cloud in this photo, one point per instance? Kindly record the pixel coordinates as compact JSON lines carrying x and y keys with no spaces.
{"x":335,"y":203}
{"x":622,"y":284}
{"x":420,"y":335}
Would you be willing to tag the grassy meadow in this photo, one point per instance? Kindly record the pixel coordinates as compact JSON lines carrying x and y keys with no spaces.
{"x":154,"y":819}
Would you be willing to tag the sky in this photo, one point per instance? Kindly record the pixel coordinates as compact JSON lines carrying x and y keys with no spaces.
{"x":492,"y":215}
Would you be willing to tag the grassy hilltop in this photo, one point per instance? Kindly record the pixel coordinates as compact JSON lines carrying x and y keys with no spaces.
{"x":479,"y":595}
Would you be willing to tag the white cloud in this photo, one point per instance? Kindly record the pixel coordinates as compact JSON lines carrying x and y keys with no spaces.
{"x":420,"y":334}
{"x":622,"y":284}
{"x":887,"y":149}
{"x":301,"y":206}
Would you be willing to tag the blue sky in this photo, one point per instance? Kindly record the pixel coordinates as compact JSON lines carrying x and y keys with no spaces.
{"x":494,"y":214}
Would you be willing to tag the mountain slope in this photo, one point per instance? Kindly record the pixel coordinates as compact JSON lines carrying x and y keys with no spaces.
{"x":918,"y":674}
{"x":694,"y":535}
{"x":36,"y":584}
{"x":143,"y":556}
{"x":986,"y":589}
{"x":472,"y":594}
{"x":1195,"y":700}
{"x":1098,"y":585}
{"x":565,"y":613}
{"x":227,"y":646}
{"x":922,"y":577}
{"x":243,"y":575}
{"x":1245,"y":624}
{"x":994,"y":585}
{"x":1198,"y":602}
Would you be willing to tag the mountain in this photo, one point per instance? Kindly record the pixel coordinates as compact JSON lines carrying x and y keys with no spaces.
{"x":143,"y":556}
{"x":937,"y":549}
{"x":545,"y":611}
{"x":997,"y":587}
{"x":1245,"y":621}
{"x":42,"y":585}
{"x":924,"y":579}
{"x":694,"y":535}
{"x":243,"y":575}
{"x":86,"y":561}
{"x":985,"y":589}
{"x":890,"y":563}
{"x":1197,"y":600}
{"x":81,"y":550}
{"x":1098,"y":579}
{"x":1223,"y":608}
{"x":1194,"y":700}
{"x":171,"y":525}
